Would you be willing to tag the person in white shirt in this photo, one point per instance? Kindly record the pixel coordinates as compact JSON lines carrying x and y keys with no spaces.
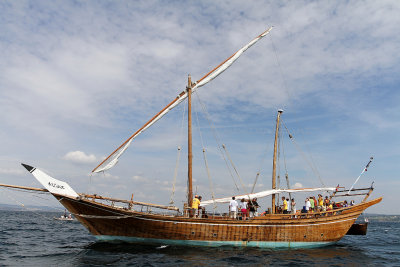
{"x":243,"y":208}
{"x":308,"y":205}
{"x":233,"y":207}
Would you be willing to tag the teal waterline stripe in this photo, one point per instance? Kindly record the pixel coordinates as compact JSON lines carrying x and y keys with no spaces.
{"x":260,"y":244}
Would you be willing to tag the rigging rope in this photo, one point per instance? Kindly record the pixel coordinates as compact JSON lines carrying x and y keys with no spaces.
{"x":302,"y":153}
{"x":279,"y":67}
{"x":234,"y":167}
{"x":178,"y":157}
{"x":286,"y":171}
{"x":259,"y":169}
{"x":255,"y":182}
{"x":209,"y":180}
{"x":217,"y":140}
{"x":205,"y":160}
{"x":22,"y":204}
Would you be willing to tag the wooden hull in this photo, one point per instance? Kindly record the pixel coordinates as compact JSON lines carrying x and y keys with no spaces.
{"x":108,"y":223}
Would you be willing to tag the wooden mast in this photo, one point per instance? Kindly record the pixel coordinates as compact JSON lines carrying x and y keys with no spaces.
{"x":274,"y":159}
{"x":190,"y":156}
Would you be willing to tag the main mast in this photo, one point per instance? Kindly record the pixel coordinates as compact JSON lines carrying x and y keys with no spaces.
{"x":189,"y":94}
{"x":274,"y":159}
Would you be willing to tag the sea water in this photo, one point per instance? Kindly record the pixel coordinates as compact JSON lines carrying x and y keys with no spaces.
{"x":36,"y":239}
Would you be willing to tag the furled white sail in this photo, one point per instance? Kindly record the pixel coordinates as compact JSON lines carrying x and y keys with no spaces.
{"x":112,"y":159}
{"x":53,"y":185}
{"x":265,"y":193}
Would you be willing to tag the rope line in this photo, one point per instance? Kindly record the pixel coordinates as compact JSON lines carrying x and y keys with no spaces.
{"x":316,"y":173}
{"x":280,"y":67}
{"x":217,"y":140}
{"x":264,"y":156}
{"x":178,"y":157}
{"x":23,"y":205}
{"x":205,"y":160}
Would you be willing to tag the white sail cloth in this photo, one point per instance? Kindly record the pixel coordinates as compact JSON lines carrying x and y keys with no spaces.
{"x":264,"y":194}
{"x":53,"y":185}
{"x":112,"y":159}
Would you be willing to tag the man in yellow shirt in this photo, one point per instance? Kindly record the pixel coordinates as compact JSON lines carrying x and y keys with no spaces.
{"x":285,"y":205}
{"x":195,"y":205}
{"x":320,"y":202}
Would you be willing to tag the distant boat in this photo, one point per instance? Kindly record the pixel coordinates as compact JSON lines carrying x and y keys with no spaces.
{"x":144,"y":225}
{"x":62,"y":218}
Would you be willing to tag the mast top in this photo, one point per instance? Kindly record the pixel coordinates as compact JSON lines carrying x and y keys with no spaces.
{"x":280,"y":110}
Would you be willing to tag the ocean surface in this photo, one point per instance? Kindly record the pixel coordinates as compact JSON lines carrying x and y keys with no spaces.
{"x":36,"y":239}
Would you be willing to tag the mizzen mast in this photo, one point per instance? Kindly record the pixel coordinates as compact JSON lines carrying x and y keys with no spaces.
{"x":274,"y":159}
{"x":190,"y":155}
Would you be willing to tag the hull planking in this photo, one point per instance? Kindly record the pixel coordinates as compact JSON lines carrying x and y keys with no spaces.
{"x":108,"y":223}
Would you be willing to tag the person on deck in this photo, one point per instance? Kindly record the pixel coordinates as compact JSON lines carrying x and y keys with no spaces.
{"x":253,"y":205}
{"x":327,"y":201}
{"x":308,"y":205}
{"x":285,"y":205}
{"x":195,"y":205}
{"x":249,"y":208}
{"x":233,"y":207}
{"x":329,"y":208}
{"x":320,"y":202}
{"x":243,"y":208}
{"x":312,"y":204}
{"x":288,"y":203}
{"x":293,"y":206}
{"x":200,"y":208}
{"x":315,"y":204}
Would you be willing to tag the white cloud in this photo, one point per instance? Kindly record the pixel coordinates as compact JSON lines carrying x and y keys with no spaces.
{"x":80,"y":157}
{"x":103,"y":176}
{"x":11,"y":171}
{"x":297,"y":185}
{"x":139,"y":178}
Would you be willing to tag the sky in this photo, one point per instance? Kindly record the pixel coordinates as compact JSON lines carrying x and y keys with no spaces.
{"x":77,"y":78}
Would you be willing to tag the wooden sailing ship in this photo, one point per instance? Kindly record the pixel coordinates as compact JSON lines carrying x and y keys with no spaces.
{"x":137,"y":222}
